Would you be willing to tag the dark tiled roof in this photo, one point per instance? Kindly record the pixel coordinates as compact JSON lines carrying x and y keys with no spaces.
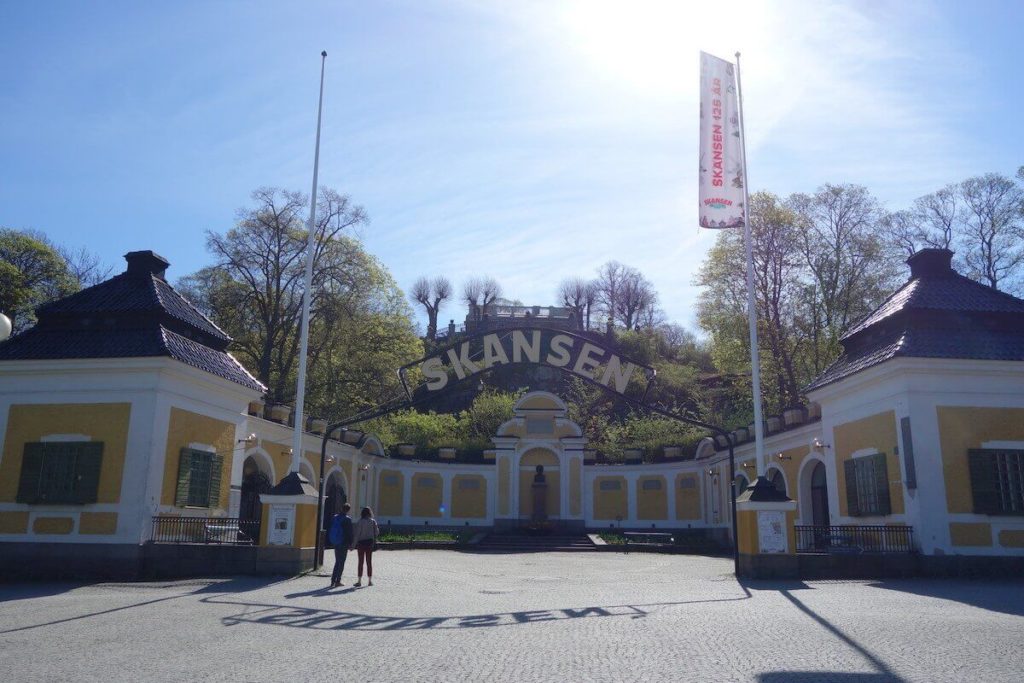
{"x":133,"y":315}
{"x":937,"y":314}
{"x":129,"y":293}
{"x":54,"y":344}
{"x":950,"y":293}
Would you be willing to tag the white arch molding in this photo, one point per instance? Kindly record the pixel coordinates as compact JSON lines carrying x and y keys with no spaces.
{"x":803,"y":478}
{"x":262,"y":460}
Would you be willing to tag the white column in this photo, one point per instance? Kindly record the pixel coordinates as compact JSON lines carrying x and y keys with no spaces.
{"x":631,"y":498}
{"x":670,"y":499}
{"x":407,"y":494}
{"x":446,"y":495}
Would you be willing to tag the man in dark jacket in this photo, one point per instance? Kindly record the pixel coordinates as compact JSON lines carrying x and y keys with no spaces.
{"x":342,"y":526}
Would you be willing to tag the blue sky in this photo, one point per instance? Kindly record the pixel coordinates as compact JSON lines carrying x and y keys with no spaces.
{"x":525,"y":140}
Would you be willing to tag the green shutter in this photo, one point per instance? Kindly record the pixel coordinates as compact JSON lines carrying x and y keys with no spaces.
{"x":88,"y":458}
{"x":852,"y":501}
{"x":184,"y":474}
{"x":881,"y":473}
{"x":984,"y":486}
{"x":215,"y":475}
{"x":31,"y":469}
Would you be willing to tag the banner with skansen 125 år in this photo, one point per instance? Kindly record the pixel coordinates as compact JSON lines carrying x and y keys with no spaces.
{"x":721,"y":152}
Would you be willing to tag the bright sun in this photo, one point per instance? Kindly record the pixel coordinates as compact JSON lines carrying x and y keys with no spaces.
{"x":653,"y":44}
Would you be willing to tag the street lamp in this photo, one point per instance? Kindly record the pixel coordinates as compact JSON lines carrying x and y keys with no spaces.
{"x":5,"y":327}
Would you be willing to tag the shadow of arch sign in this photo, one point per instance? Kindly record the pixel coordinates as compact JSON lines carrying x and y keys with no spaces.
{"x":583,"y":356}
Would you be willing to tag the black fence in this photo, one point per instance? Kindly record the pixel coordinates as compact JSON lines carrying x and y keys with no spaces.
{"x":854,"y":539}
{"x":217,"y":530}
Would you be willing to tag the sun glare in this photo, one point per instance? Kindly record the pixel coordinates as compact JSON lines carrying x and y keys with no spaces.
{"x":652,"y":45}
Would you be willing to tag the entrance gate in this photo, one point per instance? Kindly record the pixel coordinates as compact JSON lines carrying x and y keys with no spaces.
{"x":586,"y":357}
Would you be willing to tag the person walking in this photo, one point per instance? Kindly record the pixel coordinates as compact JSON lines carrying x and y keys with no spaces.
{"x":340,"y":536}
{"x":365,"y":532}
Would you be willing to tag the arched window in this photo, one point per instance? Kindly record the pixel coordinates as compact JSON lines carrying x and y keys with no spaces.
{"x":741,"y":484}
{"x":778,"y":481}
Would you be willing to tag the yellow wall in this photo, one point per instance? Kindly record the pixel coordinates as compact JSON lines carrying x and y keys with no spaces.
{"x":186,"y":427}
{"x":390,"y":496}
{"x":1011,"y":538}
{"x":961,"y":429}
{"x":651,"y":504}
{"x":688,"y":500}
{"x":282,"y":458}
{"x":53,"y":525}
{"x":104,"y":523}
{"x":877,"y":432}
{"x":575,"y":486}
{"x":789,"y":463}
{"x":14,"y":522}
{"x":106,"y":422}
{"x":552,"y":498}
{"x":970,"y":534}
{"x":305,"y":526}
{"x":426,"y":502}
{"x":470,"y":503}
{"x":610,"y":504}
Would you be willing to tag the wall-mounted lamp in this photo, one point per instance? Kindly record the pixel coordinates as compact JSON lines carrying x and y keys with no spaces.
{"x":781,"y":456}
{"x":251,"y":437}
{"x":818,"y":444}
{"x":748,"y":465}
{"x":711,"y":473}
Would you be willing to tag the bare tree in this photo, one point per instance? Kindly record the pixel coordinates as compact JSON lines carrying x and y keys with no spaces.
{"x":479,"y":293}
{"x":578,"y":295}
{"x":84,"y":266}
{"x":636,"y":297}
{"x":608,"y":288}
{"x":993,"y":228}
{"x":431,"y":294}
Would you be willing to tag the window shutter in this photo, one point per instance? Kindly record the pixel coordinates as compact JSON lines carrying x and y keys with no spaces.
{"x":88,"y":458}
{"x":215,"y":474}
{"x":852,"y":501}
{"x":31,"y":469}
{"x":184,"y":472}
{"x":984,"y":487}
{"x":881,"y":473}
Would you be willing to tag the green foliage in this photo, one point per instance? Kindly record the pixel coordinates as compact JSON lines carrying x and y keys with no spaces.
{"x":428,"y":431}
{"x":32,"y":272}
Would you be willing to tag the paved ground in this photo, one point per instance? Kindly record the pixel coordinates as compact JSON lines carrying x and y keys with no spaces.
{"x":443,"y":616}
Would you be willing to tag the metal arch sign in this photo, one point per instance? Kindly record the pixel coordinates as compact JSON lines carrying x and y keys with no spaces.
{"x":577,"y":354}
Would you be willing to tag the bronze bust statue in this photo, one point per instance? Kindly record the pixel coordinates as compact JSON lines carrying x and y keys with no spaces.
{"x":539,"y":477}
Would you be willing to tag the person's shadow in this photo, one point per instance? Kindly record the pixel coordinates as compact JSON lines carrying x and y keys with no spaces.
{"x":322,"y":592}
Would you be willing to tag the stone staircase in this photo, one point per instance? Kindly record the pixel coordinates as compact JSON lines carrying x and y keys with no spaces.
{"x":527,"y":543}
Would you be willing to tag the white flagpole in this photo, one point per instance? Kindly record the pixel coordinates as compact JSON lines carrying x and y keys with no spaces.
{"x":755,"y":356}
{"x":300,"y":392}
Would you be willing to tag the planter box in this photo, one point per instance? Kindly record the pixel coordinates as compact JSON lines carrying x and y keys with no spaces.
{"x":256,"y":408}
{"x":317,"y":426}
{"x":813,"y":411}
{"x":407,"y":449}
{"x":673,"y":451}
{"x":739,"y":436}
{"x":773,"y":424}
{"x":794,"y":416}
{"x":280,"y":413}
{"x":446,"y":453}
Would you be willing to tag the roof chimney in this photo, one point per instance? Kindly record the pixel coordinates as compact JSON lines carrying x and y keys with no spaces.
{"x":146,"y":263}
{"x":930,"y":262}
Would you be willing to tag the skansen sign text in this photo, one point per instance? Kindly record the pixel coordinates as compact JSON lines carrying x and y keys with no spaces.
{"x":562,"y":351}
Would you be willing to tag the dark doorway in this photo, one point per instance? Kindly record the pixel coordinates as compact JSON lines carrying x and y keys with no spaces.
{"x":334,"y":498}
{"x":819,"y":496}
{"x":254,"y":483}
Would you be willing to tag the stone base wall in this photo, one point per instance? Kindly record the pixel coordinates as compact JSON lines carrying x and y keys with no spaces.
{"x":70,"y":562}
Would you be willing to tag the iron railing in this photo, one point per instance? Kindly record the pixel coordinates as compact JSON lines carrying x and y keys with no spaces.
{"x":219,"y":530}
{"x":853,"y":539}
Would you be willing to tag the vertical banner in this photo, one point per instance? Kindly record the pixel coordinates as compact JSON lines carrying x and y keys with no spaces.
{"x":722,"y":195}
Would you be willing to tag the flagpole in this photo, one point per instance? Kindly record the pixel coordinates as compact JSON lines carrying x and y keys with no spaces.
{"x":300,"y":392}
{"x":755,"y":355}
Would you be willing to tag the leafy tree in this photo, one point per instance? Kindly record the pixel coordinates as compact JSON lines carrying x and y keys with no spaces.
{"x":360,"y":325}
{"x":32,"y":272}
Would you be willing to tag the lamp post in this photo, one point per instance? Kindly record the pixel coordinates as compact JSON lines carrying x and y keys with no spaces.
{"x":5,"y":327}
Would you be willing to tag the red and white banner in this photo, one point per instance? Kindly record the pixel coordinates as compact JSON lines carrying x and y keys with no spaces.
{"x":721,"y":151}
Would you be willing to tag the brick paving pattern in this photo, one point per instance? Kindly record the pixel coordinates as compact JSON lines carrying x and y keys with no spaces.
{"x":445,"y":616}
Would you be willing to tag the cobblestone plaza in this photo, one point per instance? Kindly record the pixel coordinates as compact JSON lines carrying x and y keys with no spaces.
{"x":447,"y":616}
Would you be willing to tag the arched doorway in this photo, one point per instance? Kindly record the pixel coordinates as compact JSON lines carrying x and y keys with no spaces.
{"x":254,"y":483}
{"x":334,"y":497}
{"x":777,"y":480}
{"x":552,"y":478}
{"x":741,"y":483}
{"x":819,"y":496}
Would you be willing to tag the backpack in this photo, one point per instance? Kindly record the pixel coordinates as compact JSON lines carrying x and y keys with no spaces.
{"x":335,"y":534}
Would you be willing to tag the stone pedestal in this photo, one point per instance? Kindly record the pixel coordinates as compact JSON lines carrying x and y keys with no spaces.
{"x":765,"y":538}
{"x":540,"y":502}
{"x":289,"y":527}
